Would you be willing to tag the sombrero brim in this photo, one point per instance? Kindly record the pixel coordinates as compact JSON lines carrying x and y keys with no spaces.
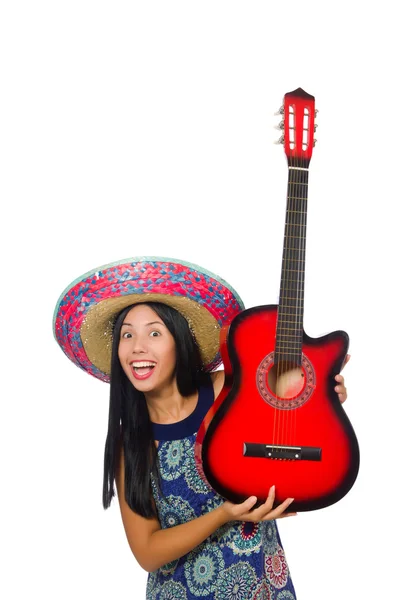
{"x":85,"y":312}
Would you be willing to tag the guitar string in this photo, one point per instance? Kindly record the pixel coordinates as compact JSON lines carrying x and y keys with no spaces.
{"x":275,"y":368}
{"x":310,"y":122}
{"x":293,"y":278}
{"x":284,"y":289}
{"x":281,"y":316}
{"x":303,"y":194}
{"x":295,"y":266}
{"x":288,"y":343}
{"x":301,"y":263}
{"x":296,"y":254}
{"x":300,"y":257}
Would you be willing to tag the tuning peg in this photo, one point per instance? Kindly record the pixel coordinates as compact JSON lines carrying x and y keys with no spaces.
{"x":280,"y":125}
{"x":314,"y":142}
{"x":315,"y":127}
{"x":280,"y":141}
{"x":315,"y":112}
{"x":280,"y":110}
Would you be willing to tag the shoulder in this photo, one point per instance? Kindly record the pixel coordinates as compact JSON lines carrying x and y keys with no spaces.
{"x":218,"y":380}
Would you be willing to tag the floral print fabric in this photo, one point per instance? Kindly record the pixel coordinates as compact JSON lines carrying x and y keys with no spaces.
{"x":239,"y":561}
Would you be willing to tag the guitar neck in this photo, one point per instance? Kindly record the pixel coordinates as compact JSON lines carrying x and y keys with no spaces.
{"x":290,"y":310}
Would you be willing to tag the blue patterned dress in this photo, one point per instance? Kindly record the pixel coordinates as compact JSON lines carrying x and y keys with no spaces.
{"x":240,"y":560}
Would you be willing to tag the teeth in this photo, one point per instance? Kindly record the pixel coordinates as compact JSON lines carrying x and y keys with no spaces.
{"x":143,"y":363}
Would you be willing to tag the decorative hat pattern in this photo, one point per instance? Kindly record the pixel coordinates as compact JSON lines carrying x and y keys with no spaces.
{"x":85,"y":312}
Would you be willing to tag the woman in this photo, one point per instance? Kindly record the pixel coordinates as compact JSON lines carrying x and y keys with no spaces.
{"x":163,"y":343}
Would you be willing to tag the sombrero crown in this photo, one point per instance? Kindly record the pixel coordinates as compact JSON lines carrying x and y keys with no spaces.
{"x":86,"y":310}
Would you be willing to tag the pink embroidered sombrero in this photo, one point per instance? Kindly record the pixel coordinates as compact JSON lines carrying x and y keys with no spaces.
{"x":85,"y":312}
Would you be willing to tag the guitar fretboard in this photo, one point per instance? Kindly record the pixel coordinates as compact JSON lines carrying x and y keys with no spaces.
{"x":290,"y":310}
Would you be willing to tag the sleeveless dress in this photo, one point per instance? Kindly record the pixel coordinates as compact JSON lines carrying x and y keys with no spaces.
{"x":240,"y":560}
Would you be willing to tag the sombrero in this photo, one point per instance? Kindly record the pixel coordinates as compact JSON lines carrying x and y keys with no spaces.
{"x":86,"y":310}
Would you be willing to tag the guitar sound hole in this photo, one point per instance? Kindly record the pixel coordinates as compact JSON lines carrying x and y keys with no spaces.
{"x":286,"y":381}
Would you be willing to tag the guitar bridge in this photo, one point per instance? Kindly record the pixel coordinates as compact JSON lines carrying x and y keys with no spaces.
{"x":274,"y":451}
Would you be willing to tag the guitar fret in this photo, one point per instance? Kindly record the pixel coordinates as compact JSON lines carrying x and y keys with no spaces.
{"x":288,"y":347}
{"x":301,"y":212}
{"x":282,"y":297}
{"x":297,"y":198}
{"x":287,"y":258}
{"x":297,"y":316}
{"x":297,"y":304}
{"x":297,"y":182}
{"x":285,"y":321}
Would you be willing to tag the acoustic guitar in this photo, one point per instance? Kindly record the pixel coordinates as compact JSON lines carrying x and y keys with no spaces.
{"x":278,"y":419}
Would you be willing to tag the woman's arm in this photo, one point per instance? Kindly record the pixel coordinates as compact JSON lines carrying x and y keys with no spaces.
{"x":154,"y":547}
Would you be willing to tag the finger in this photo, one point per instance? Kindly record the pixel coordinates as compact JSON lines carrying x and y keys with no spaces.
{"x":247,"y":505}
{"x":277,"y":512}
{"x":346,"y":361}
{"x":342,"y":397}
{"x":268,"y":505}
{"x":258,"y":513}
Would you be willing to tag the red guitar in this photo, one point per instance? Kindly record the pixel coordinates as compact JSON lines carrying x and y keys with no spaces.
{"x":278,"y":419}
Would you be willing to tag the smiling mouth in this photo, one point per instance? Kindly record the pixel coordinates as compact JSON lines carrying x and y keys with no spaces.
{"x":142,"y":369}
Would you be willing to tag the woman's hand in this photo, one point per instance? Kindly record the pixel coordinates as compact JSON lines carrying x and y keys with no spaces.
{"x":264,"y":512}
{"x":341,"y":388}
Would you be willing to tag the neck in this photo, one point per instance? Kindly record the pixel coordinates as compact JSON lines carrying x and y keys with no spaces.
{"x":168,"y":405}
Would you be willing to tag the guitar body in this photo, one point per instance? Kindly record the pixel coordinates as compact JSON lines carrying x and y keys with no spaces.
{"x":248,"y":412}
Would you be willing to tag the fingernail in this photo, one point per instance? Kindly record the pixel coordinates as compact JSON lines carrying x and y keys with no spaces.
{"x":291,"y":500}
{"x":272,"y":489}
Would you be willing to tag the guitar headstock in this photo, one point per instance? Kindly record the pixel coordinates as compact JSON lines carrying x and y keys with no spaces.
{"x":298,"y":124}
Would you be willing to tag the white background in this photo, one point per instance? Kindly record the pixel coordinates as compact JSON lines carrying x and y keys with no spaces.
{"x":147,"y":128}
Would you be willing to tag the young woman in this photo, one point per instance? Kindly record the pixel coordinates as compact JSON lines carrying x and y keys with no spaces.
{"x":159,"y":348}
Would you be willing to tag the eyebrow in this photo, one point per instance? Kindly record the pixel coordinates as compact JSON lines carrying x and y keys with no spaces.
{"x":146,"y":324}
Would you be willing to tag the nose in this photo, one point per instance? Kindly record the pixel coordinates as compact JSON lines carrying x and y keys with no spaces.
{"x":139,"y":345}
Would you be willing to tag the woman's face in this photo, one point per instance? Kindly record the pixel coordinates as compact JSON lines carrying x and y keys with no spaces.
{"x":147,"y":351}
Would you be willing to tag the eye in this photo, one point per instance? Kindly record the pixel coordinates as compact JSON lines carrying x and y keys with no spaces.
{"x":155,"y":333}
{"x":126,"y":334}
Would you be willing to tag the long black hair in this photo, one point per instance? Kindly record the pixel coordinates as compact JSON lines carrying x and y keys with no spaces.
{"x":128,"y":409}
